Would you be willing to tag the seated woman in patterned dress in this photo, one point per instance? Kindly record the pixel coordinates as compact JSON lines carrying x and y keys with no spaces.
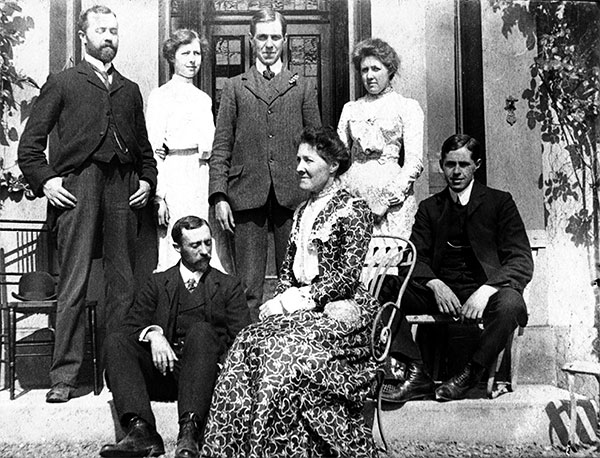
{"x":294,"y":383}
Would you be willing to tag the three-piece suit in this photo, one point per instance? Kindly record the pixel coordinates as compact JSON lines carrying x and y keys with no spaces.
{"x":199,"y":325}
{"x":101,"y":152}
{"x":495,"y":251}
{"x":253,"y":164}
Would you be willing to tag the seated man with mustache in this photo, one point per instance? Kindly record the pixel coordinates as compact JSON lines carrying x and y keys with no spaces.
{"x":180,"y":326}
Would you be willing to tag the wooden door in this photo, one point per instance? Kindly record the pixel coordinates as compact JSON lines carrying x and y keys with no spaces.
{"x":314,"y":29}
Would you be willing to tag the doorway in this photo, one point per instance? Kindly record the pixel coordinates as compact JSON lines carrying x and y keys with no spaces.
{"x":315,"y":30}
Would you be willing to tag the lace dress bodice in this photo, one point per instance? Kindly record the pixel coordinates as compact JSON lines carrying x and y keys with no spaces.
{"x":376,"y":129}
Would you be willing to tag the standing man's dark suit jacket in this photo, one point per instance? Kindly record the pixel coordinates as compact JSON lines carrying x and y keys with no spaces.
{"x":494,"y":228}
{"x":225,"y":305}
{"x":69,"y":101}
{"x":77,"y":106}
{"x":256,"y":138}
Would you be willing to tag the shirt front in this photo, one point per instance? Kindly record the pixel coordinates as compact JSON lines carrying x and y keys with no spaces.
{"x":464,"y":196}
{"x":275,"y":68}
{"x":100,"y":66}
{"x":186,"y":276}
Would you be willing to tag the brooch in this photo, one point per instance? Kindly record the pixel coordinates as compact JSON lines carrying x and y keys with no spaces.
{"x":294,"y":78}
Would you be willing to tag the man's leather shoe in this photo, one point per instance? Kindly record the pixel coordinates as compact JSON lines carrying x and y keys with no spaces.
{"x":457,"y":387}
{"x":141,"y":440}
{"x":188,"y":437}
{"x":418,"y":385}
{"x":61,"y":392}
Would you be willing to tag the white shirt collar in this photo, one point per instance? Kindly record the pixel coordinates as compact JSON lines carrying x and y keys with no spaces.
{"x":187,"y":274}
{"x":464,"y":196}
{"x":97,"y":63}
{"x":275,"y":68}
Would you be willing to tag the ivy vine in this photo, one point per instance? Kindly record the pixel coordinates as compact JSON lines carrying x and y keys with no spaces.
{"x":13,"y":27}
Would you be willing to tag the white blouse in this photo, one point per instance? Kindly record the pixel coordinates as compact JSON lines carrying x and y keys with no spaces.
{"x":180,"y":116}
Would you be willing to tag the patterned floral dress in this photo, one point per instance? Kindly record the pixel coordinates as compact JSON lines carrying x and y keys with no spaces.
{"x":294,"y":385}
{"x":376,"y":128}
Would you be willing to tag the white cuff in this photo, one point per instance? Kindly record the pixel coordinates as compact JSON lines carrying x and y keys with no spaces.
{"x":146,"y":330}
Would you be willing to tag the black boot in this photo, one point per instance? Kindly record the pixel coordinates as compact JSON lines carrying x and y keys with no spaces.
{"x":457,"y":387}
{"x":141,"y":440}
{"x":418,"y":385}
{"x":188,"y":437}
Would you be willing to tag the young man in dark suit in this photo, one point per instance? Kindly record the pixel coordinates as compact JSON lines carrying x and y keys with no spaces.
{"x":253,"y":183}
{"x":99,"y":173}
{"x":473,"y":262}
{"x":180,"y":327}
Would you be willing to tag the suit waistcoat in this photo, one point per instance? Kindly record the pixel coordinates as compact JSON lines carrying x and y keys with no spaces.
{"x":190,"y":308}
{"x":460,"y":266}
{"x":110,"y":146}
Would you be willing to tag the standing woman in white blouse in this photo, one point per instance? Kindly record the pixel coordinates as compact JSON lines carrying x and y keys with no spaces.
{"x":384,"y":132}
{"x":181,"y":129}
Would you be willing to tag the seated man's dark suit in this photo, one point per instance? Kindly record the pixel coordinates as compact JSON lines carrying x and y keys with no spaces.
{"x":199,"y":325}
{"x":493,"y":250}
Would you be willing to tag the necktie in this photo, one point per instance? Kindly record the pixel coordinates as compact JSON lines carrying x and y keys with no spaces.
{"x":104,"y":76}
{"x":268,"y":74}
{"x":458,"y":203}
{"x":191,"y":284}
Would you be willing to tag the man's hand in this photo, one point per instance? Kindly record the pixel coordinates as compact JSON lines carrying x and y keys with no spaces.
{"x":271,"y":307}
{"x":163,"y":212}
{"x":57,"y":195}
{"x":140,"y":198}
{"x":163,"y":355}
{"x":477,"y":302}
{"x":445,"y":298}
{"x":223,"y":214}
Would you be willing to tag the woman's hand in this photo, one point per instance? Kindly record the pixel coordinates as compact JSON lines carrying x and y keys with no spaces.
{"x":162,"y":212}
{"x":161,"y":153}
{"x":393,"y":201}
{"x":271,"y":307}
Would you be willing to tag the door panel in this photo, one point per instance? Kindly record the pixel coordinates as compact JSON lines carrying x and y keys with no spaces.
{"x":307,"y":51}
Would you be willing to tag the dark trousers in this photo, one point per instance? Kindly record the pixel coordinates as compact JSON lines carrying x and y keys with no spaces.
{"x":505,"y":311}
{"x":251,"y":246}
{"x":102,"y":214}
{"x":134,"y":380}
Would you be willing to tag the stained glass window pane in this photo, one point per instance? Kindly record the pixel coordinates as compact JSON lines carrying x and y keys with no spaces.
{"x":281,"y":5}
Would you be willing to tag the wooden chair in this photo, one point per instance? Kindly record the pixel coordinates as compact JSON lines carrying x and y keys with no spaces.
{"x":31,"y":250}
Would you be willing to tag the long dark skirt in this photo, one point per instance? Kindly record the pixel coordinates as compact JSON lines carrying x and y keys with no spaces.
{"x":293,"y":386}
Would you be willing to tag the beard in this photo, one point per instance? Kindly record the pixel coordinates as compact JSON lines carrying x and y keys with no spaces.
{"x":104,"y":54}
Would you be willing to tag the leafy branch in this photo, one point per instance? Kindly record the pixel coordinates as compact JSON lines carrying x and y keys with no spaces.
{"x":13,"y":27}
{"x":563,"y":98}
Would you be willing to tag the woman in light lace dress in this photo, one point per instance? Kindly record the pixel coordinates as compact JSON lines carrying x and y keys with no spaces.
{"x":384,"y":132}
{"x":181,"y":129}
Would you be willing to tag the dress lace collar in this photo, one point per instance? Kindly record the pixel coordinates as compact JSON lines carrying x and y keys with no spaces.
{"x":388,"y":90}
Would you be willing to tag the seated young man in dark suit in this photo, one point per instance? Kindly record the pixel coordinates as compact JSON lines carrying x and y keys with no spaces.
{"x":179,"y":328}
{"x":473,"y":262}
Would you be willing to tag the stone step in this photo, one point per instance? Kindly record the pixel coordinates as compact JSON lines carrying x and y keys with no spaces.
{"x":532,"y":414}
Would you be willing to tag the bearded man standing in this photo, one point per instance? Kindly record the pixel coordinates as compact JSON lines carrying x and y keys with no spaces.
{"x":99,"y":173}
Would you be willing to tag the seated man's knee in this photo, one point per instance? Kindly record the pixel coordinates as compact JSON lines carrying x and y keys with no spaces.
{"x":114,"y":343}
{"x":511,"y":305}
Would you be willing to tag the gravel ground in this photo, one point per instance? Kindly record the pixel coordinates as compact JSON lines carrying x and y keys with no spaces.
{"x":398,"y":450}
